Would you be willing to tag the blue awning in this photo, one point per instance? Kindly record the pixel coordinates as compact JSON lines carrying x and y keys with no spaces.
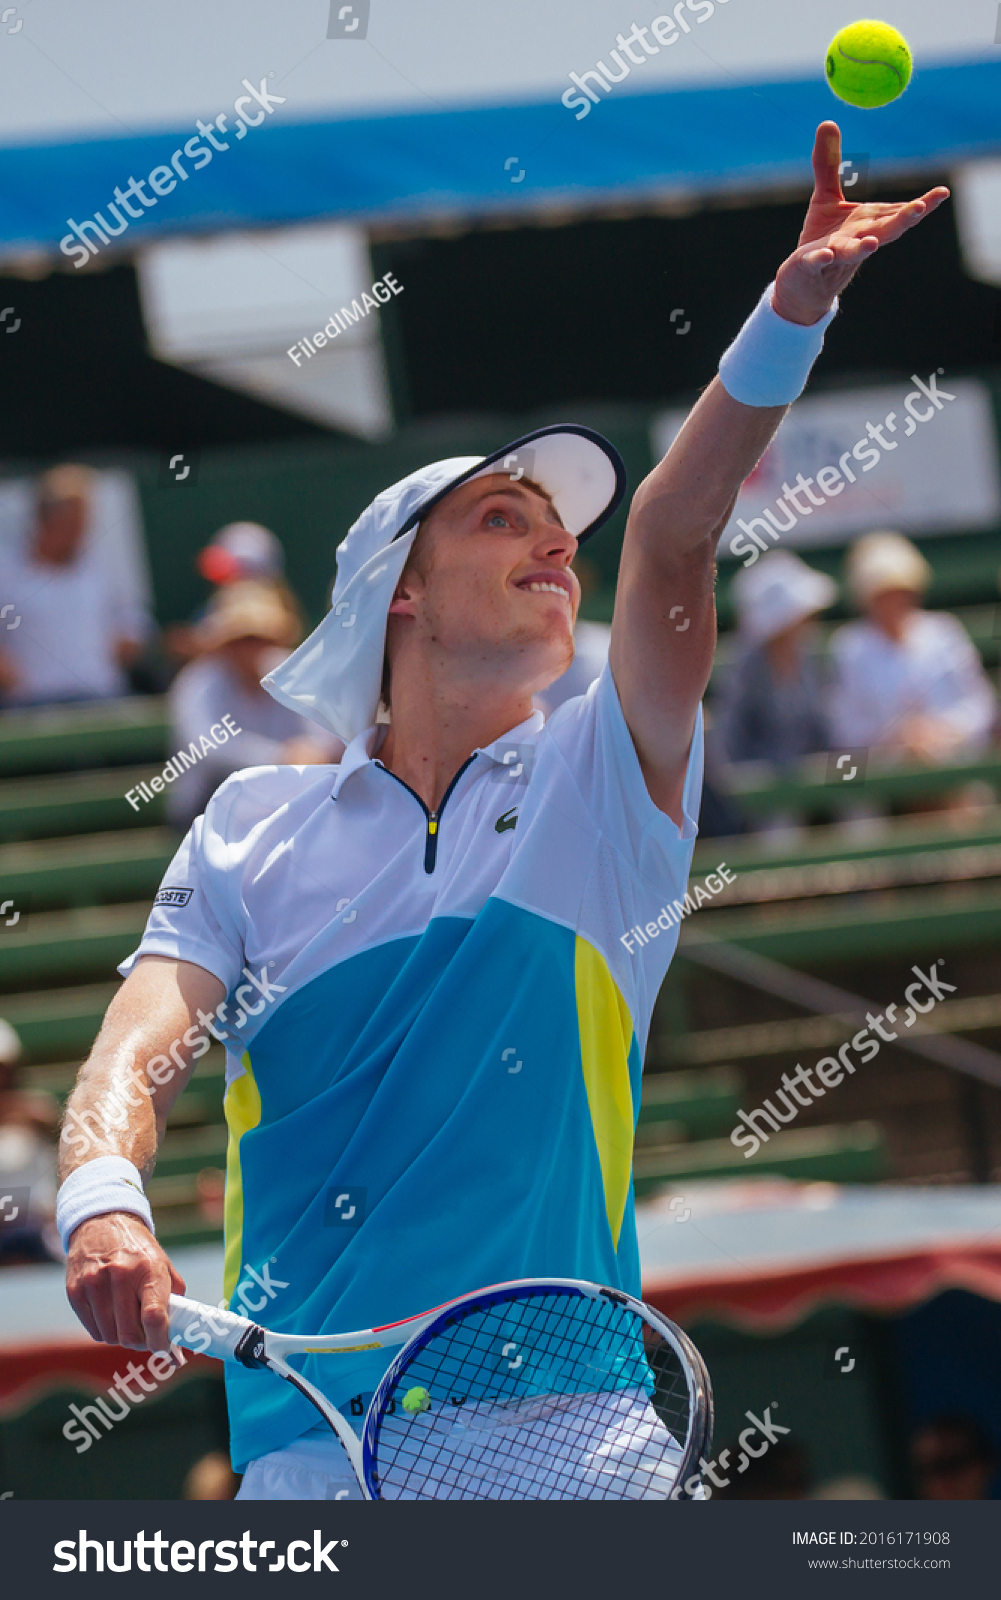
{"x":501,"y":158}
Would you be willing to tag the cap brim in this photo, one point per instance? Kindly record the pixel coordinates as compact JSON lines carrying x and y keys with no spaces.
{"x":582,"y":473}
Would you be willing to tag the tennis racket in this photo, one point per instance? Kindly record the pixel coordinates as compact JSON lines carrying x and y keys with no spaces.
{"x":541,"y":1389}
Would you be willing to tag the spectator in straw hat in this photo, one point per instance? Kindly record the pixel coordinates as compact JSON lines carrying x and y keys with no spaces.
{"x":772,"y":703}
{"x":235,"y":553}
{"x":248,"y":631}
{"x":906,"y":679}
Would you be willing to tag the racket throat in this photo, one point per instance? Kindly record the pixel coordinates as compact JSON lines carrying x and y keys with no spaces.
{"x":331,"y":1416}
{"x":252,"y":1348}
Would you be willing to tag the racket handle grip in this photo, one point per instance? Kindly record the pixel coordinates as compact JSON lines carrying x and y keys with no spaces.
{"x":208,"y":1330}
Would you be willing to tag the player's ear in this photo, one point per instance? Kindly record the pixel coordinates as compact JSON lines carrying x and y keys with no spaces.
{"x":408,"y":592}
{"x":410,"y":588}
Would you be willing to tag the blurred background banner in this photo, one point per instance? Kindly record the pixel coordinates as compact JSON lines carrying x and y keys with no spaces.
{"x":944,"y":478}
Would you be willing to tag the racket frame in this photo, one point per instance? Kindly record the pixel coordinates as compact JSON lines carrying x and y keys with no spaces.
{"x":700,"y":1399}
{"x":236,"y":1338}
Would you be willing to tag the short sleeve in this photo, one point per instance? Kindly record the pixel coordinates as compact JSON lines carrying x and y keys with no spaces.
{"x":191,"y":919}
{"x":597,"y":748}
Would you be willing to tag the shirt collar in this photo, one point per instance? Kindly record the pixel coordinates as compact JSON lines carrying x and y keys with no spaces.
{"x":503,"y":749}
{"x":364,"y":747}
{"x":359,"y":753}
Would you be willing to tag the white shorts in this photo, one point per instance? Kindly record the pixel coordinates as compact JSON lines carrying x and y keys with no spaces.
{"x":314,"y":1467}
{"x":494,"y":1450}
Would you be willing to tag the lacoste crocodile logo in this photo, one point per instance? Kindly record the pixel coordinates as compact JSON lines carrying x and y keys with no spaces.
{"x":506,"y":820}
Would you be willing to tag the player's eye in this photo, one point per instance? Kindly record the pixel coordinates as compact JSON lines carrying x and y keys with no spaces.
{"x":497,"y":519}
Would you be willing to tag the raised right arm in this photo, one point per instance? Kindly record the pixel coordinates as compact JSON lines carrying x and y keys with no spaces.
{"x":118,"y":1279}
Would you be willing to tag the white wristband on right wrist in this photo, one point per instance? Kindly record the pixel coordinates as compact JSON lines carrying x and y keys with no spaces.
{"x":770,"y":359}
{"x":109,"y":1183}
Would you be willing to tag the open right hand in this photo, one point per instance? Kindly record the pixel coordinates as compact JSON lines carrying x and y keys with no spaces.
{"x":118,"y":1281}
{"x":839,"y":234}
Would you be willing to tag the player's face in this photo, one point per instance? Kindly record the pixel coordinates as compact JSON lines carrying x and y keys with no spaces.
{"x":492,"y":581}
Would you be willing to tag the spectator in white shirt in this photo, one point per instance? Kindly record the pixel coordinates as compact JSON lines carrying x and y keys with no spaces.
{"x":248,"y":631}
{"x":75,"y":635}
{"x":906,"y":680}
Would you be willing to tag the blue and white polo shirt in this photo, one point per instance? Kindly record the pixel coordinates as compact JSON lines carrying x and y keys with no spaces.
{"x":433,"y":1083}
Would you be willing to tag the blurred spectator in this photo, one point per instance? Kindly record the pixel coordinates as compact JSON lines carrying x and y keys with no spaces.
{"x":771,"y":705}
{"x":851,"y":1487}
{"x":28,"y":1122}
{"x":238,"y":552}
{"x":211,"y":1478}
{"x":953,"y":1459}
{"x":210,"y":1186}
{"x":906,"y":680}
{"x":75,"y":635}
{"x":241,"y":550}
{"x":782,"y":1472}
{"x":719,"y":818}
{"x":249,"y":629}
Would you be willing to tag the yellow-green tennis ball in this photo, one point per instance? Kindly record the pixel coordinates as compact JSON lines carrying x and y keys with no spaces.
{"x":416,"y":1400}
{"x":868,"y":64}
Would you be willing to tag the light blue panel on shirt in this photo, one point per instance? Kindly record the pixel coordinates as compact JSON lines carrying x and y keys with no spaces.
{"x":434,"y":1087}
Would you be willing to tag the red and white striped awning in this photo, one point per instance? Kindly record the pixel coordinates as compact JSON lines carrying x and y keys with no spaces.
{"x":763,"y":1255}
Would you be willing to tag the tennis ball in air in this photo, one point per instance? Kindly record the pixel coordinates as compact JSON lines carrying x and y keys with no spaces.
{"x":416,"y":1400}
{"x":868,"y":64}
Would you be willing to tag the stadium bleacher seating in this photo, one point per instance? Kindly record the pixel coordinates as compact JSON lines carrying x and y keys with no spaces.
{"x":834,"y":895}
{"x":82,"y":866}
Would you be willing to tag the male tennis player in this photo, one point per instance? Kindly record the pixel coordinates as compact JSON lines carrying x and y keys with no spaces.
{"x":434,"y":1028}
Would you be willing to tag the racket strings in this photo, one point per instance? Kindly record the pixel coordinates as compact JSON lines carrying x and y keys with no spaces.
{"x":555,"y":1396}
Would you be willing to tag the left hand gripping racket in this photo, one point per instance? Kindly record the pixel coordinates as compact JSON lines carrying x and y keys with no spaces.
{"x":541,"y":1389}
